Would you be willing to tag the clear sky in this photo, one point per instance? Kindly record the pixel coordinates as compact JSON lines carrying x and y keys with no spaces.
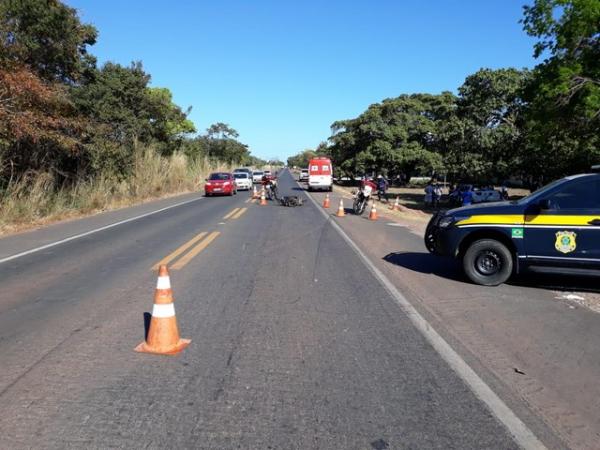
{"x":280,"y":72}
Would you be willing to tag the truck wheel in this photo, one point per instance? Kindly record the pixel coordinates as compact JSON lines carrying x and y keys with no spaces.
{"x":488,"y":262}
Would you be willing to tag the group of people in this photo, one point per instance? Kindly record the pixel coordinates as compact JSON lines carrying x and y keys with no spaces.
{"x":433,"y":194}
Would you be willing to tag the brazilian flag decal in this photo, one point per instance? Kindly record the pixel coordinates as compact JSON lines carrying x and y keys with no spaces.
{"x":517,"y":233}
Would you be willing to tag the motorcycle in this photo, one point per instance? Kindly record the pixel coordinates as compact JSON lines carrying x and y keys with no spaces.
{"x":361,"y":199}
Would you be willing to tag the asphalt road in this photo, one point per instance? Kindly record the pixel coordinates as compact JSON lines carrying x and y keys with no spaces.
{"x":295,"y":343}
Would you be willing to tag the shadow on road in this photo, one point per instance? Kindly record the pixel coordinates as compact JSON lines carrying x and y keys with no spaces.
{"x":426,"y":263}
{"x":147,"y":318}
{"x":450,"y":269}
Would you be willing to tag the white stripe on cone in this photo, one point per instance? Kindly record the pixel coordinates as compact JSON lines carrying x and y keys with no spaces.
{"x":163,"y":283}
{"x":162,"y":311}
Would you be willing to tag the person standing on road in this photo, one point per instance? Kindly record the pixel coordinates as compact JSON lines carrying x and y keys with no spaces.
{"x":428,"y":194}
{"x":467,"y":196}
{"x":382,"y":186}
{"x":437,"y":195}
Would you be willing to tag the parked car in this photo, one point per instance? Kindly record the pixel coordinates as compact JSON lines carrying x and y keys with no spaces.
{"x":220,"y":183}
{"x":303,"y":175}
{"x":486,"y":195}
{"x":257,"y":176}
{"x":480,"y":195}
{"x":242,"y":180}
{"x":244,"y":170}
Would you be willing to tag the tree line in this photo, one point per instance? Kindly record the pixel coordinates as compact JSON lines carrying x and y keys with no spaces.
{"x":534,"y":125}
{"x":61,"y":113}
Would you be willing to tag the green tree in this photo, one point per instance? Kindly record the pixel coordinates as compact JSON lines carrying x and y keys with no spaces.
{"x":563,"y":117}
{"x":402,"y":134}
{"x":47,"y":36}
{"x":301,"y":159}
{"x":484,"y":138}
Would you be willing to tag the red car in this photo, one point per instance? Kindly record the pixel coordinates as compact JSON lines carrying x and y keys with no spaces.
{"x":220,"y":183}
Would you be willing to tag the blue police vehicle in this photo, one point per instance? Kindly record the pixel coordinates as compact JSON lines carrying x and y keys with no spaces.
{"x":553,"y":230}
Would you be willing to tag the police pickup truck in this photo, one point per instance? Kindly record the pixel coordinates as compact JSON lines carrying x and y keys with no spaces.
{"x":554,"y":230}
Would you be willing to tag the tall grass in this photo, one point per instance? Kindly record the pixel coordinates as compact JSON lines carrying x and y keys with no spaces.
{"x":34,"y":199}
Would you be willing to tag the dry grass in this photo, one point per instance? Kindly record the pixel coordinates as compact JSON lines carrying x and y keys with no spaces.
{"x":33,"y":201}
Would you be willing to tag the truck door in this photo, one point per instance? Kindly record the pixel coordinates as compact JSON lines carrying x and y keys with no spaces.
{"x":567,"y":231}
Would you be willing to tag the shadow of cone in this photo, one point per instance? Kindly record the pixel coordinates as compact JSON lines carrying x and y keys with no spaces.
{"x":340,"y":211}
{"x":163,"y":334}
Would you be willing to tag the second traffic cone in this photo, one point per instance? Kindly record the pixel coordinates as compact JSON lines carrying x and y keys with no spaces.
{"x":396,"y":205}
{"x":255,"y":193}
{"x":163,"y":334}
{"x":326,"y":203}
{"x":340,"y":211}
{"x":373,"y":213}
{"x":263,"y":199}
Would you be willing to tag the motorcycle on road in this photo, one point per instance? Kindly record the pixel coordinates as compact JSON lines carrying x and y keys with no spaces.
{"x":361,"y":199}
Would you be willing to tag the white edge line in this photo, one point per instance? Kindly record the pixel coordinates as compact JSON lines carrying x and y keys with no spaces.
{"x":87,"y":233}
{"x":520,"y":432}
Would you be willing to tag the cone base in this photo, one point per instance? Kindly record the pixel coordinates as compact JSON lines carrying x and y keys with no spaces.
{"x":145,"y":348}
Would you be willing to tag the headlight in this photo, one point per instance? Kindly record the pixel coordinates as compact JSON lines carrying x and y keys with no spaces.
{"x":226,"y":183}
{"x":208,"y":183}
{"x":446,"y":221}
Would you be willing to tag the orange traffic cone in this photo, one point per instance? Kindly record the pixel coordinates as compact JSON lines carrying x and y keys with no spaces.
{"x":263,"y":199}
{"x":326,"y":202}
{"x":396,"y":205}
{"x":340,"y":211}
{"x":373,"y":213}
{"x":255,"y":193}
{"x":163,"y":335}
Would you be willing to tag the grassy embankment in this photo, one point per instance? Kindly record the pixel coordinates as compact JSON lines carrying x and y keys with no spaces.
{"x":29,"y":203}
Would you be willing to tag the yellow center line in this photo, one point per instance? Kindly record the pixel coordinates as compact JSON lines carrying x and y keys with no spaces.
{"x":167,"y":259}
{"x":239,"y":213}
{"x":197,"y":249}
{"x":231,"y":213}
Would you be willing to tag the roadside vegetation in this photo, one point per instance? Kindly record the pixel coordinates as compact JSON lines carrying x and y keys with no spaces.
{"x":525,"y":125}
{"x":77,"y":137}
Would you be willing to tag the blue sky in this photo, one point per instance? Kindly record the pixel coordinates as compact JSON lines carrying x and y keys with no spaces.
{"x":281,"y":72}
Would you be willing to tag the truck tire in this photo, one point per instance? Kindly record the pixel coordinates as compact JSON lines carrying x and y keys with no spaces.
{"x":488,"y":262}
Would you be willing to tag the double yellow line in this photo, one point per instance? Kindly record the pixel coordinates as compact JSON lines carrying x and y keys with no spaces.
{"x":197,"y":244}
{"x":235,"y":214}
{"x":204,"y":240}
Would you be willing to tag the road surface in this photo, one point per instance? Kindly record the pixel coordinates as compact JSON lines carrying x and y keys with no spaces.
{"x":296,"y":343}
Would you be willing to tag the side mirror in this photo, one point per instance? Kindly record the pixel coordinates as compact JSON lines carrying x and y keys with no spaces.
{"x":544,"y":204}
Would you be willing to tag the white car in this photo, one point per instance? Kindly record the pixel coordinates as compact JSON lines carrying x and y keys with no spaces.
{"x":303,"y":175}
{"x":486,"y":195}
{"x":257,"y":176}
{"x":242,"y":181}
